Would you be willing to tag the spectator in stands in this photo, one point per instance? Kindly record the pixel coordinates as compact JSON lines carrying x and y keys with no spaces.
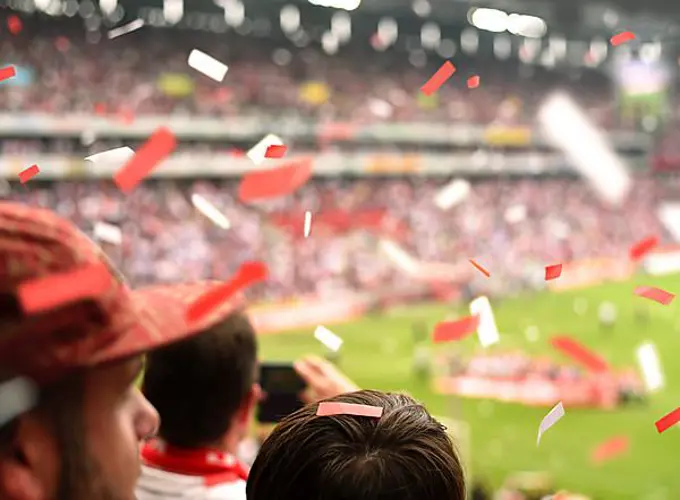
{"x":404,"y":454}
{"x":205,"y":389}
{"x":71,"y":417}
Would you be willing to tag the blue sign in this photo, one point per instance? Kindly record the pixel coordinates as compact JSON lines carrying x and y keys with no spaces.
{"x":24,"y":76}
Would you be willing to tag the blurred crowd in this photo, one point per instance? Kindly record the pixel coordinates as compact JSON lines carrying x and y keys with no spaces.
{"x":514,"y":227}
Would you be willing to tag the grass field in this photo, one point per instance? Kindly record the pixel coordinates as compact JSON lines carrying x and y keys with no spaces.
{"x":377,"y":353}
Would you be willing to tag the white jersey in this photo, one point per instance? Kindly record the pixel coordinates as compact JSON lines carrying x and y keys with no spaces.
{"x":155,"y":484}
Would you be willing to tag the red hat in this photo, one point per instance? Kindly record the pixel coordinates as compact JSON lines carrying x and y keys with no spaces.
{"x":111,"y":323}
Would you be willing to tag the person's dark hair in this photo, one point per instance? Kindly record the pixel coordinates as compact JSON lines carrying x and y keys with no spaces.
{"x":405,"y":454}
{"x":199,"y":383}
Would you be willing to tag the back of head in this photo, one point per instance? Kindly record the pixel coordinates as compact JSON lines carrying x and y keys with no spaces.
{"x":199,"y":384}
{"x":405,"y":454}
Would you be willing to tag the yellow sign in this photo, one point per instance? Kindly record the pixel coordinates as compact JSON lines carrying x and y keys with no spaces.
{"x":315,"y":93}
{"x":175,"y":84}
{"x":507,"y":136}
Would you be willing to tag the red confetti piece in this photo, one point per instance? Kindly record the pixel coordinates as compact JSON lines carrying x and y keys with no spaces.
{"x":553,"y":272}
{"x":610,"y":449}
{"x":480,"y":268}
{"x":668,"y":421}
{"x":7,"y":72}
{"x":28,"y":174}
{"x":275,"y":151}
{"x":152,"y":152}
{"x":447,"y":331}
{"x":437,"y":80}
{"x":60,"y":289}
{"x":14,"y":25}
{"x":620,"y":38}
{"x":100,"y":109}
{"x":275,"y":182}
{"x":247,"y":274}
{"x":642,"y":247}
{"x":328,"y":408}
{"x":579,"y":353}
{"x":473,"y":82}
{"x":655,"y":294}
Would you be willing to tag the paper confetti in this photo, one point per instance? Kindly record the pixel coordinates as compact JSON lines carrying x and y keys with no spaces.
{"x":108,"y":233}
{"x":642,"y":247}
{"x":399,"y":257}
{"x":276,"y":182}
{"x":553,"y":272}
{"x":579,"y":353}
{"x":248,"y":274}
{"x":126,"y":28}
{"x":7,"y":72}
{"x":480,"y":268}
{"x":620,"y":38}
{"x":650,"y":366}
{"x":161,"y":143}
{"x":275,"y":151}
{"x":655,"y":294}
{"x":437,"y":80}
{"x":473,"y":82}
{"x":487,"y":331}
{"x":668,"y":421}
{"x":549,"y":420}
{"x":115,"y":157}
{"x":258,"y":152}
{"x":452,"y":194}
{"x":327,"y":338}
{"x":308,"y":223}
{"x":448,"y":331}
{"x":328,"y":408}
{"x":610,"y":449}
{"x":208,"y":65}
{"x":14,"y":25}
{"x":210,"y":211}
{"x":59,"y":289}
{"x":17,"y":396}
{"x":28,"y":174}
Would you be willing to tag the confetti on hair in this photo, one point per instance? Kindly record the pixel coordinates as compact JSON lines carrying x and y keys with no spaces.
{"x":655,"y":294}
{"x":17,"y":396}
{"x":28,"y":173}
{"x":248,"y":274}
{"x":126,"y":28}
{"x":642,"y":247}
{"x":308,"y":223}
{"x":437,"y":80}
{"x":549,"y":420}
{"x":328,"y":408}
{"x":473,"y":82}
{"x":276,"y":182}
{"x":480,"y":268}
{"x":210,"y":211}
{"x":553,"y":272}
{"x":14,"y":25}
{"x":609,"y":449}
{"x":328,"y":338}
{"x":161,"y":143}
{"x":579,"y":353}
{"x":448,"y":331}
{"x":208,"y":65}
{"x":7,"y":72}
{"x":620,"y":38}
{"x":275,"y":151}
{"x":668,"y":421}
{"x":44,"y":294}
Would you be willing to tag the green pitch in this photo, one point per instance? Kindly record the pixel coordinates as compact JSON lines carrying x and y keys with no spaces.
{"x":378,"y":353}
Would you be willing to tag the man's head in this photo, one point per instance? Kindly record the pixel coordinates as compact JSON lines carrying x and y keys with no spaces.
{"x":404,"y":454}
{"x":204,"y":387}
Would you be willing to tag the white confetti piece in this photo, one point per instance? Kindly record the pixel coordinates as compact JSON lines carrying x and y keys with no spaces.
{"x":452,"y":194}
{"x":669,"y":215}
{"x":17,"y":396}
{"x":108,"y":233}
{"x":115,"y":157}
{"x":399,"y":257}
{"x":549,"y":420}
{"x":210,"y":211}
{"x":126,"y":28}
{"x":650,"y":366}
{"x":258,"y":151}
{"x":208,"y":65}
{"x":327,"y":338}
{"x":487,"y":331}
{"x":308,"y":222}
